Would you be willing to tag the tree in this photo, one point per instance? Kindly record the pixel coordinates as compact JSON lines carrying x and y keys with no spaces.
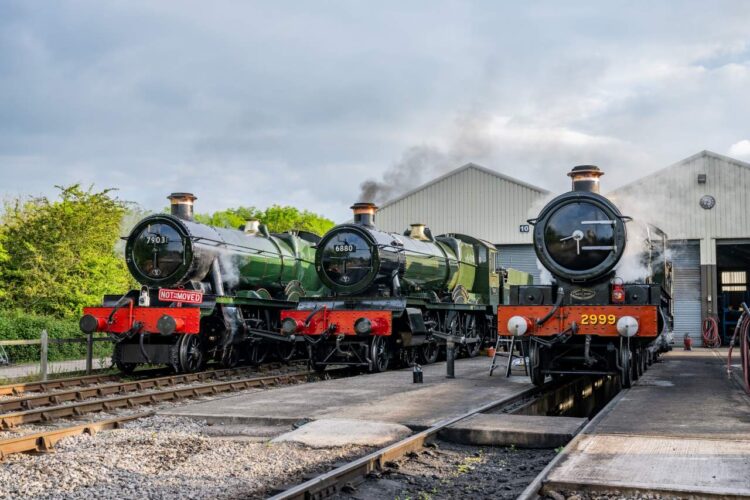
{"x":60,"y":255}
{"x":277,"y":218}
{"x":231,"y":217}
{"x":3,"y":259}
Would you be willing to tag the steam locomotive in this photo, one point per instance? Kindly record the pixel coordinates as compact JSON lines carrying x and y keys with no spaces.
{"x":207,"y":292}
{"x":397,"y":297}
{"x":608,"y":306}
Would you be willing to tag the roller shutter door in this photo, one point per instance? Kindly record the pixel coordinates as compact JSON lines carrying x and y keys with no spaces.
{"x":521,"y":257}
{"x":686,"y":263}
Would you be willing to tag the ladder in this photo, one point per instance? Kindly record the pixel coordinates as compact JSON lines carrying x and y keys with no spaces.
{"x":512,"y":345}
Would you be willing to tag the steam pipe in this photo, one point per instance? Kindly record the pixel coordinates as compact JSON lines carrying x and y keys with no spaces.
{"x":216,"y":280}
{"x":554,"y":309}
{"x":143,"y":348}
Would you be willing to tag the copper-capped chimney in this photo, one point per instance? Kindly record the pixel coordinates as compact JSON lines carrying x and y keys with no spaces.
{"x":182,"y":205}
{"x":586,"y":178}
{"x":364,"y":213}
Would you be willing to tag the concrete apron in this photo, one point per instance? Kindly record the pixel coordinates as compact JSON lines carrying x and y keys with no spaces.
{"x":683,"y":429}
{"x":363,"y":409}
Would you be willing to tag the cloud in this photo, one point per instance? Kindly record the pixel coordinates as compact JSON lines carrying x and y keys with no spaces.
{"x":740,"y":149}
{"x":261,"y":103}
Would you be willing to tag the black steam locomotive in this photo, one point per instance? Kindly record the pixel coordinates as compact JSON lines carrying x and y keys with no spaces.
{"x":607,"y":308}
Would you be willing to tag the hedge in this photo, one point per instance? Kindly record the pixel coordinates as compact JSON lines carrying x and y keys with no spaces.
{"x":18,"y":325}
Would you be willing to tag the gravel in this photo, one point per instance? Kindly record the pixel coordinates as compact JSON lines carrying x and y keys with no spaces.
{"x":162,"y":457}
{"x":606,"y":495}
{"x":449,"y":471}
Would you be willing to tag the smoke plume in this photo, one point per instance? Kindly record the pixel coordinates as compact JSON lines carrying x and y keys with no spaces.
{"x":418,"y":164}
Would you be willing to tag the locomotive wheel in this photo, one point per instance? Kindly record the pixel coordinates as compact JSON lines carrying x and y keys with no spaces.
{"x":257,"y":352}
{"x":635,"y":363}
{"x":472,"y":350}
{"x":625,"y":368}
{"x":230,"y":357}
{"x":379,"y":353}
{"x":428,"y":352}
{"x":409,"y":356}
{"x":286,"y":351}
{"x":126,"y":368}
{"x":191,"y":353}
{"x":535,"y":364}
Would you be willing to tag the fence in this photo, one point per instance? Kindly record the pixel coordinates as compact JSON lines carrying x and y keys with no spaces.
{"x":44,"y":341}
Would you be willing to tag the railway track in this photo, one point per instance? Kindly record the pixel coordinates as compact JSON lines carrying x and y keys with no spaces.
{"x":51,"y":413}
{"x":87,"y":380}
{"x":91,"y":390}
{"x":60,"y":383}
{"x":45,"y":441}
{"x":330,"y":483}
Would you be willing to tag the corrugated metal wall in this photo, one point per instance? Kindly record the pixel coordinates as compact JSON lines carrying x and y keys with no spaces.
{"x":670,"y":199}
{"x":521,"y":257}
{"x":687,"y":291}
{"x":471,"y":200}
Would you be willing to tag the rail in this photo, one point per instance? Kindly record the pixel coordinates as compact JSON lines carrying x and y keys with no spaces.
{"x":76,"y":409}
{"x":329,"y":483}
{"x":46,"y":440}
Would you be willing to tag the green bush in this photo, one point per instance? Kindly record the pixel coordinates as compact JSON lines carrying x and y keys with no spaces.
{"x":59,"y":255}
{"x":17,"y":325}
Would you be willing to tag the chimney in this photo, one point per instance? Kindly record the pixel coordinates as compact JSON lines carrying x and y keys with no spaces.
{"x":182,"y":205}
{"x":417,"y":232}
{"x":586,"y":178}
{"x":364,"y":213}
{"x":252,"y":226}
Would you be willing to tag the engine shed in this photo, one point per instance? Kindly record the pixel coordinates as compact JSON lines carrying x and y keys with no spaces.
{"x":700,"y":202}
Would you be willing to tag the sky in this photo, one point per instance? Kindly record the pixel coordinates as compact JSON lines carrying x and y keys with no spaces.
{"x":300,"y":103}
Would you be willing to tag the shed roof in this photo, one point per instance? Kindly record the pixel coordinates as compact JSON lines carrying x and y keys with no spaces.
{"x":460,"y":170}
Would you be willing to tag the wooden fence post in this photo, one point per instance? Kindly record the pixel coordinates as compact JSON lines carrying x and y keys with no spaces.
{"x":43,"y":359}
{"x":89,"y":352}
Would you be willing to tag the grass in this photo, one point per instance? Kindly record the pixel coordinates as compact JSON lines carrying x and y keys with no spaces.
{"x":469,"y":463}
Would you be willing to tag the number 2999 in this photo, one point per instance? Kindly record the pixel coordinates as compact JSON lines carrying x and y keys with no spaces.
{"x":598,"y":319}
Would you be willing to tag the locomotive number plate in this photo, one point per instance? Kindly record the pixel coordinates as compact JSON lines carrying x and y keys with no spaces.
{"x":598,"y":319}
{"x":344,"y":248}
{"x":157,"y":239}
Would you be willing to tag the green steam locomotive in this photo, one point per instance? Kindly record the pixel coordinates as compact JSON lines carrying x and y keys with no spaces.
{"x":398,"y":297}
{"x":207,"y":292}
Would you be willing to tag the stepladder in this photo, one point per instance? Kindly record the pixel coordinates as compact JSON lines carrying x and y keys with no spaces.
{"x":511,"y":347}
